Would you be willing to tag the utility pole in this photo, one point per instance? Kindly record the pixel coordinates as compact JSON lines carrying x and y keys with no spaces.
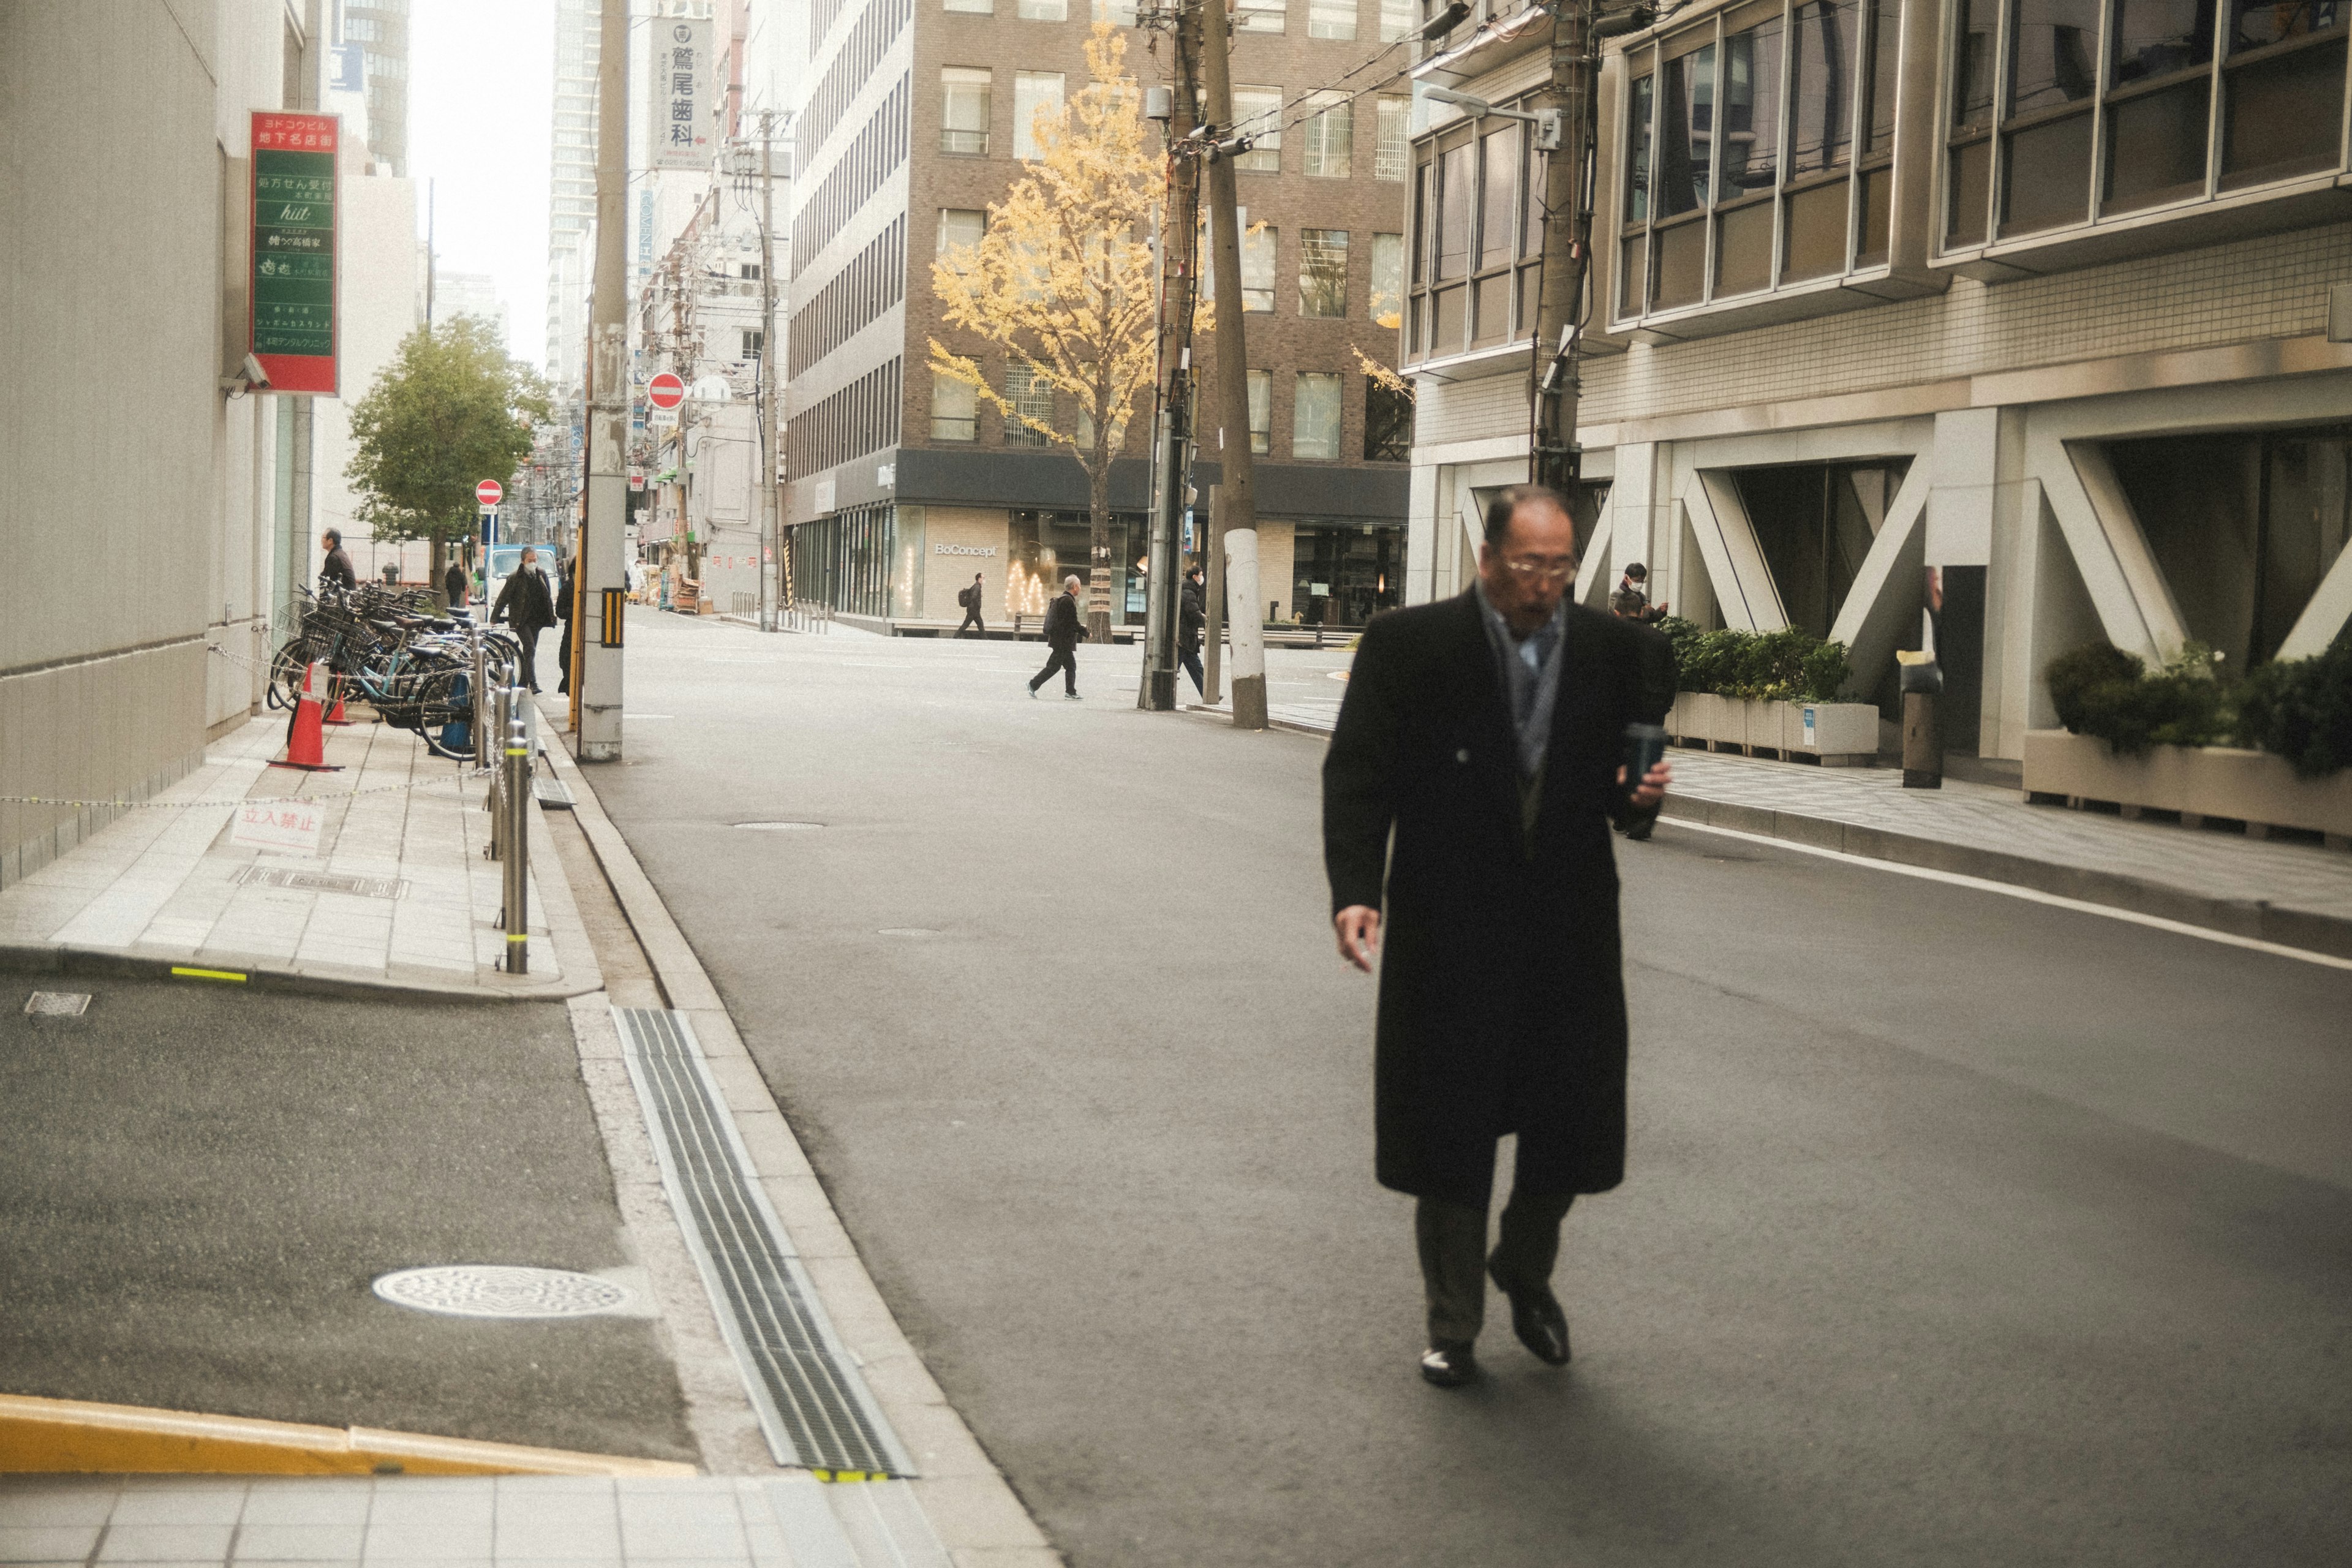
{"x":1237,"y":491}
{"x":770,"y":533}
{"x":604,"y":573}
{"x":1178,"y":246}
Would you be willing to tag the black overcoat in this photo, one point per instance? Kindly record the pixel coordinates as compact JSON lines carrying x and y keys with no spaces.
{"x":1502,"y":998}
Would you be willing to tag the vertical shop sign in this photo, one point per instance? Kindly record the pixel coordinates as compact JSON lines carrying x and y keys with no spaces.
{"x":683,"y":119}
{"x":294,"y":250}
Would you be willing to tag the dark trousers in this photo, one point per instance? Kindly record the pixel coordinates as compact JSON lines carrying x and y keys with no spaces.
{"x":971,"y":618}
{"x":1452,"y":1245}
{"x":1189,"y":658}
{"x":529,"y":637}
{"x":563,"y":659}
{"x":1065,"y":660}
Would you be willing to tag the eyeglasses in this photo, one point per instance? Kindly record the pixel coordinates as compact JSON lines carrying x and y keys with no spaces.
{"x":1538,"y":572}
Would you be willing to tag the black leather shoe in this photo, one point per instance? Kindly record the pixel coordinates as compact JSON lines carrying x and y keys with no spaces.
{"x":1537,"y":1319}
{"x":1449,"y":1363}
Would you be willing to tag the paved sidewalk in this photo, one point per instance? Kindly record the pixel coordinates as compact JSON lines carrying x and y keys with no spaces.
{"x":399,"y":894}
{"x":2277,"y":890}
{"x":789,"y":1521}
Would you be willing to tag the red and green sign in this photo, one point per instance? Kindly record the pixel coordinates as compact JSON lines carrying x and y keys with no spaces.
{"x":294,"y":250}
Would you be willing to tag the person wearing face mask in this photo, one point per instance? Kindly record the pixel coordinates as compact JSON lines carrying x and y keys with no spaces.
{"x":1467,"y":796}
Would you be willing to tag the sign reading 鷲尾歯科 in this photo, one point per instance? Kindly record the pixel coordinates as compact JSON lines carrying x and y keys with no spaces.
{"x":684,"y":114}
{"x":294,"y":250}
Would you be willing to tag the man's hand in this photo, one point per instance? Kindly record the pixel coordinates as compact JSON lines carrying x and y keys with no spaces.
{"x":1653,"y":786}
{"x":1358,"y":926}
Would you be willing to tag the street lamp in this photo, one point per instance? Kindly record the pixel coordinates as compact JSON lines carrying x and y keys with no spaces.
{"x":1547,"y":122}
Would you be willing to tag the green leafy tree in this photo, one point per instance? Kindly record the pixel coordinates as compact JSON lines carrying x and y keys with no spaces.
{"x":449,"y":411}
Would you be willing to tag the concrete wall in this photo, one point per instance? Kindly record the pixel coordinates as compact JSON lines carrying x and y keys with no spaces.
{"x":952,"y":537}
{"x":134,"y":500}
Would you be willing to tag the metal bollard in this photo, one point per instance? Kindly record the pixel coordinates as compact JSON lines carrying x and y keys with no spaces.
{"x":501,"y":715}
{"x":484,"y":742}
{"x":515,"y":770}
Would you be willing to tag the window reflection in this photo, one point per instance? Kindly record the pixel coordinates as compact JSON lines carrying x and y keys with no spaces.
{"x":2052,"y":59}
{"x":2157,"y":37}
{"x":1751,"y":110}
{"x":1686,"y":118}
{"x":1824,"y":84}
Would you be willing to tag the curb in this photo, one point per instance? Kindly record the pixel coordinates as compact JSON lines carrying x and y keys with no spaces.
{"x":2256,"y":919}
{"x":972,"y":1507}
{"x":31,"y":958}
{"x":72,"y":1436}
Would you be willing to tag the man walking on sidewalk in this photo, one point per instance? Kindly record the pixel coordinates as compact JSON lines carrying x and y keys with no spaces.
{"x":336,"y":572}
{"x":1062,"y":630}
{"x":1192,"y":615}
{"x":1486,"y":733}
{"x":526,"y":606}
{"x":970,"y":600}
{"x":564,"y":591}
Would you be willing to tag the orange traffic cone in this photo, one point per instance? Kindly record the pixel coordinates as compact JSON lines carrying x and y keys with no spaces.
{"x":335,"y":714}
{"x":306,"y":743}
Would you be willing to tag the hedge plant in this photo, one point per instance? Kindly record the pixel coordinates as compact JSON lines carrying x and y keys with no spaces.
{"x":1787,"y":665}
{"x":2298,"y":709}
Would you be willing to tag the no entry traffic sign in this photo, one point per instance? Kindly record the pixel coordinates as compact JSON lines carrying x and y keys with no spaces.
{"x":665,"y":390}
{"x":489,"y":492}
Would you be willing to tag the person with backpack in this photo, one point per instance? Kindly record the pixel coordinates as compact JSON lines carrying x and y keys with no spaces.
{"x":969,"y":598}
{"x":1063,"y":630}
{"x":1192,"y":615}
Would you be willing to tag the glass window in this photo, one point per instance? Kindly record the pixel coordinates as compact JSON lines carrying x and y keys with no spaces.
{"x":2282,"y":104}
{"x":1331,"y":136}
{"x":1323,"y":272}
{"x":963,"y":111}
{"x":1637,"y":150}
{"x":1032,"y":90}
{"x":1886,"y":66}
{"x":979,"y":7}
{"x":1687,"y":131}
{"x":1257,"y":113}
{"x":1751,"y":112}
{"x":1392,"y":152}
{"x":2155,"y":146}
{"x":961,"y":228}
{"x":1388,"y":281}
{"x":955,"y":409}
{"x":1117,"y":13}
{"x":2157,"y":37}
{"x":1330,"y":18}
{"x":1257,"y":267}
{"x":1972,"y":71}
{"x":1497,"y":231}
{"x":1032,"y":395}
{"x":1261,"y":402}
{"x":1258,"y":16}
{"x":1454,"y":195}
{"x":1823,"y":85}
{"x":1043,"y":10}
{"x":1314,"y":417}
{"x":1388,"y":422}
{"x":2053,"y":54}
{"x":1397,"y":20}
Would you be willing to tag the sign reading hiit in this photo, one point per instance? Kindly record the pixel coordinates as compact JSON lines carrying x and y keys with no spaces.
{"x":294,"y":250}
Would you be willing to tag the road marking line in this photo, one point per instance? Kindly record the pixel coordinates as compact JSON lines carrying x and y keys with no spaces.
{"x":2032,"y":895}
{"x":188,"y":974}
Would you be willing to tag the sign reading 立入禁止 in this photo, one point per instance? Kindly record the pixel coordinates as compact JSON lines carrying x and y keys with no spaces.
{"x":277,"y":824}
{"x":683,"y":119}
{"x":294,"y":250}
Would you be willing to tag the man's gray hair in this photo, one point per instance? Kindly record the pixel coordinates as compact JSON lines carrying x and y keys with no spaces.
{"x":1071,"y":581}
{"x":1500,"y":510}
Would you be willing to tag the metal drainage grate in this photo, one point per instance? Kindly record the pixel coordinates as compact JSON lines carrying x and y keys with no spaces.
{"x":814,"y":1407}
{"x":321,"y":882}
{"x":502,"y":1291}
{"x":56,"y":1004}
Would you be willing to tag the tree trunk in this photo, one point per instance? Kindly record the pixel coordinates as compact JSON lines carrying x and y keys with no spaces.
{"x":1098,"y":581}
{"x":440,"y":567}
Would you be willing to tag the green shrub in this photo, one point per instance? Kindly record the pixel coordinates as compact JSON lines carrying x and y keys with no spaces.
{"x":2301,"y":709}
{"x":1782,"y":666}
{"x":2073,"y":677}
{"x":2106,"y":692}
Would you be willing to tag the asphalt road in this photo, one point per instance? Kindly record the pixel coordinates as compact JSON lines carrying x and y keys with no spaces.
{"x":1957,"y":1228}
{"x":199,"y":1185}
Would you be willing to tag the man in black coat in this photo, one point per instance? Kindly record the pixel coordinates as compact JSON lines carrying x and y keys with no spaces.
{"x":453,"y":583}
{"x":564,"y":591}
{"x":336,"y":572}
{"x":1192,"y":615}
{"x":525,"y":603}
{"x":970,"y":599}
{"x":1062,"y":633}
{"x":1486,"y":733}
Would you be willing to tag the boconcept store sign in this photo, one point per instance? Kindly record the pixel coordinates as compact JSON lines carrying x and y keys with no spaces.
{"x":964,"y":550}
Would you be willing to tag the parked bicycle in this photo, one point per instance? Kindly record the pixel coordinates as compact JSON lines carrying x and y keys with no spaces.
{"x":398,"y":650}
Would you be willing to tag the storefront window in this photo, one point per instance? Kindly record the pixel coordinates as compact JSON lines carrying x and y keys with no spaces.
{"x":1315,"y":416}
{"x":1344,"y":574}
{"x":1047,"y":546}
{"x":1815,"y":522}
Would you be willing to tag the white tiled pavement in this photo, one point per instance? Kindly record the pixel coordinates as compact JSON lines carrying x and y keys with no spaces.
{"x":162,"y":881}
{"x":541,"y":1521}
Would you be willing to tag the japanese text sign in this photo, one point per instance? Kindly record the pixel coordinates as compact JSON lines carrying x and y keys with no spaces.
{"x":684,"y":104}
{"x":295,"y":250}
{"x":280,"y":825}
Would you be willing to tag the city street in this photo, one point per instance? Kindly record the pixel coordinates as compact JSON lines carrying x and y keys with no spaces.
{"x":1957,"y":1228}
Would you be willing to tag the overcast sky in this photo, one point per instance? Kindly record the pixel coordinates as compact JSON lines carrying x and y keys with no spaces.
{"x":481,"y":84}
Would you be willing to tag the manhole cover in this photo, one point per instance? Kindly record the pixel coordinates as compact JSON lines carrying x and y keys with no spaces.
{"x":321,"y":882}
{"x":779,"y":827}
{"x":498,"y":1291}
{"x":56,"y":1004}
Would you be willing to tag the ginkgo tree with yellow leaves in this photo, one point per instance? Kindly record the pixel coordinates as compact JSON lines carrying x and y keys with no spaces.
{"x":1063,"y":284}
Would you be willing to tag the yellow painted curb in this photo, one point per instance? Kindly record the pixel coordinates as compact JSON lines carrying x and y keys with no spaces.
{"x":54,"y":1436}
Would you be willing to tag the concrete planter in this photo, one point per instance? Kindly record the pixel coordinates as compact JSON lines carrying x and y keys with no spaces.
{"x":2197,"y":781}
{"x":1837,"y":733}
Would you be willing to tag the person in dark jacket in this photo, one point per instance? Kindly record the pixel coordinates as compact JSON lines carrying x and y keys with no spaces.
{"x":453,"y":583}
{"x":1062,"y":633}
{"x":336,"y":571}
{"x":525,"y":605}
{"x":564,"y":591}
{"x":1192,"y":615}
{"x":970,"y":599}
{"x":1467,"y":795}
